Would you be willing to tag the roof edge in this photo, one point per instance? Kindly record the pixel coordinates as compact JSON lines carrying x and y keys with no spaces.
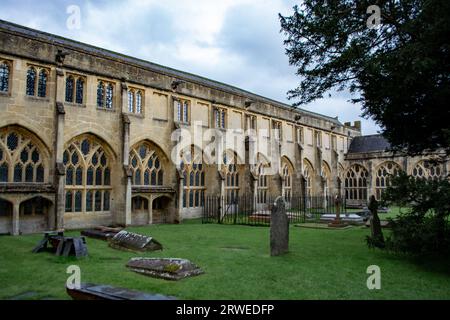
{"x":63,"y":41}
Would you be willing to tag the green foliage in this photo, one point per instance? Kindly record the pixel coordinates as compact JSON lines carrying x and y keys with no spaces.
{"x":424,"y":229}
{"x":400,"y":71}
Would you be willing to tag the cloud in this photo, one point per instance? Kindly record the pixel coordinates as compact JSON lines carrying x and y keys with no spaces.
{"x":232,"y":41}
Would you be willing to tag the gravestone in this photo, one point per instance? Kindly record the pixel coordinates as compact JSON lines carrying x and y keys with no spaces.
{"x":101,"y":233}
{"x":130,"y":241}
{"x":164,"y":268}
{"x":375,"y":225}
{"x":337,"y":222}
{"x":279,"y":228}
{"x":88,"y":291}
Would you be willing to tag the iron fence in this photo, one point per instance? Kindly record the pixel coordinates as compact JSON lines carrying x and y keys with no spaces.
{"x":250,"y":210}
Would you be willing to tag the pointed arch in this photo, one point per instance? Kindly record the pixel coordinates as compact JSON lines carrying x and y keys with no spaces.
{"x":308,"y":175}
{"x":427,"y":169}
{"x":6,"y":208}
{"x":287,"y":171}
{"x":356,"y":183}
{"x":93,"y":136}
{"x":88,"y":163}
{"x":286,"y":160}
{"x":24,"y":158}
{"x":383,"y":173}
{"x":192,"y":168}
{"x":230,"y":169}
{"x":148,"y":164}
{"x":326,"y":178}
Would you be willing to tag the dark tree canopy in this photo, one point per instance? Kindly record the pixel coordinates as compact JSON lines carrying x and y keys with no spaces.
{"x":399,"y":71}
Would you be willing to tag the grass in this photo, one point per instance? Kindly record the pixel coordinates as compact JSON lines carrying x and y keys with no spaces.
{"x":321,"y":264}
{"x":393,"y":212}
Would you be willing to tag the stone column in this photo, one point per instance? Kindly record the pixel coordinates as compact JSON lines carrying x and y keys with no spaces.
{"x":297,"y":175}
{"x":150,"y":210}
{"x":370,"y":181}
{"x":128,"y":195}
{"x":180,"y":196}
{"x":128,"y":173}
{"x":16,"y":219}
{"x":317,"y":180}
{"x":60,"y":170}
{"x":333,"y":187}
{"x":222,"y":194}
{"x":255,"y":191}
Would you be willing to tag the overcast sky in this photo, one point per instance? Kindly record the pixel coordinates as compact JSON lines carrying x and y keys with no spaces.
{"x":232,"y":41}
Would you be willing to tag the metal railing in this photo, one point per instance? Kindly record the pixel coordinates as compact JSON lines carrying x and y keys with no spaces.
{"x":248,"y":210}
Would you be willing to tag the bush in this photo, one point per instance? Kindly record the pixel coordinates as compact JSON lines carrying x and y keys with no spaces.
{"x":424,"y":229}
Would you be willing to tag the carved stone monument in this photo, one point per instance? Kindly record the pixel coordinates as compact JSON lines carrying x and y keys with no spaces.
{"x":130,"y":241}
{"x":279,"y":228}
{"x":337,"y":222}
{"x":375,"y":225}
{"x":164,"y":268}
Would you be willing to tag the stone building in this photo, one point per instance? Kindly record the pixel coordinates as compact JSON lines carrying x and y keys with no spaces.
{"x":370,"y":162}
{"x":86,"y":138}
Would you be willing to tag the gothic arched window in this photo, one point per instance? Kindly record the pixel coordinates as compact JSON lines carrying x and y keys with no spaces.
{"x":231,"y":177}
{"x":135,"y":101}
{"x":20,"y":158}
{"x":70,"y":85}
{"x":100,"y":94}
{"x":105,"y":95}
{"x":88,"y":176}
{"x":4,"y":76}
{"x":308,"y":175}
{"x":109,"y":96}
{"x":263,"y":187}
{"x":37,"y":79}
{"x":31,"y":81}
{"x":79,"y":88}
{"x":287,"y":181}
{"x":42,"y":83}
{"x":383,"y":175}
{"x":192,"y":169}
{"x":326,"y":176}
{"x":356,"y":183}
{"x":75,"y":89}
{"x":428,"y":170}
{"x":146,"y":166}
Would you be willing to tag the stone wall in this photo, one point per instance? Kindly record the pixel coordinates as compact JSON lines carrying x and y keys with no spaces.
{"x":54,"y":124}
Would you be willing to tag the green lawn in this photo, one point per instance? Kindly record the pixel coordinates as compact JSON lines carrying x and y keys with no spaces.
{"x":322,"y":264}
{"x":393,"y":212}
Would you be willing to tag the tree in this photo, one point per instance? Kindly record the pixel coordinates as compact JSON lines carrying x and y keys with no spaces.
{"x":398,"y":71}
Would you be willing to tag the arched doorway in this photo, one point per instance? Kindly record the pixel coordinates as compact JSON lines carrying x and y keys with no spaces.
{"x":162,"y":210}
{"x":34,"y":215}
{"x":6,"y":212}
{"x":140,"y":211}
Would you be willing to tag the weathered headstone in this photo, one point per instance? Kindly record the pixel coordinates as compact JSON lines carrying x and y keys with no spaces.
{"x":279,"y":228}
{"x":375,"y":225}
{"x":164,"y":268}
{"x":125,"y":240}
{"x":101,"y":233}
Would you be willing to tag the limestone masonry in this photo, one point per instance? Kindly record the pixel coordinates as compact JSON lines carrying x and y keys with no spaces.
{"x":86,"y":140}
